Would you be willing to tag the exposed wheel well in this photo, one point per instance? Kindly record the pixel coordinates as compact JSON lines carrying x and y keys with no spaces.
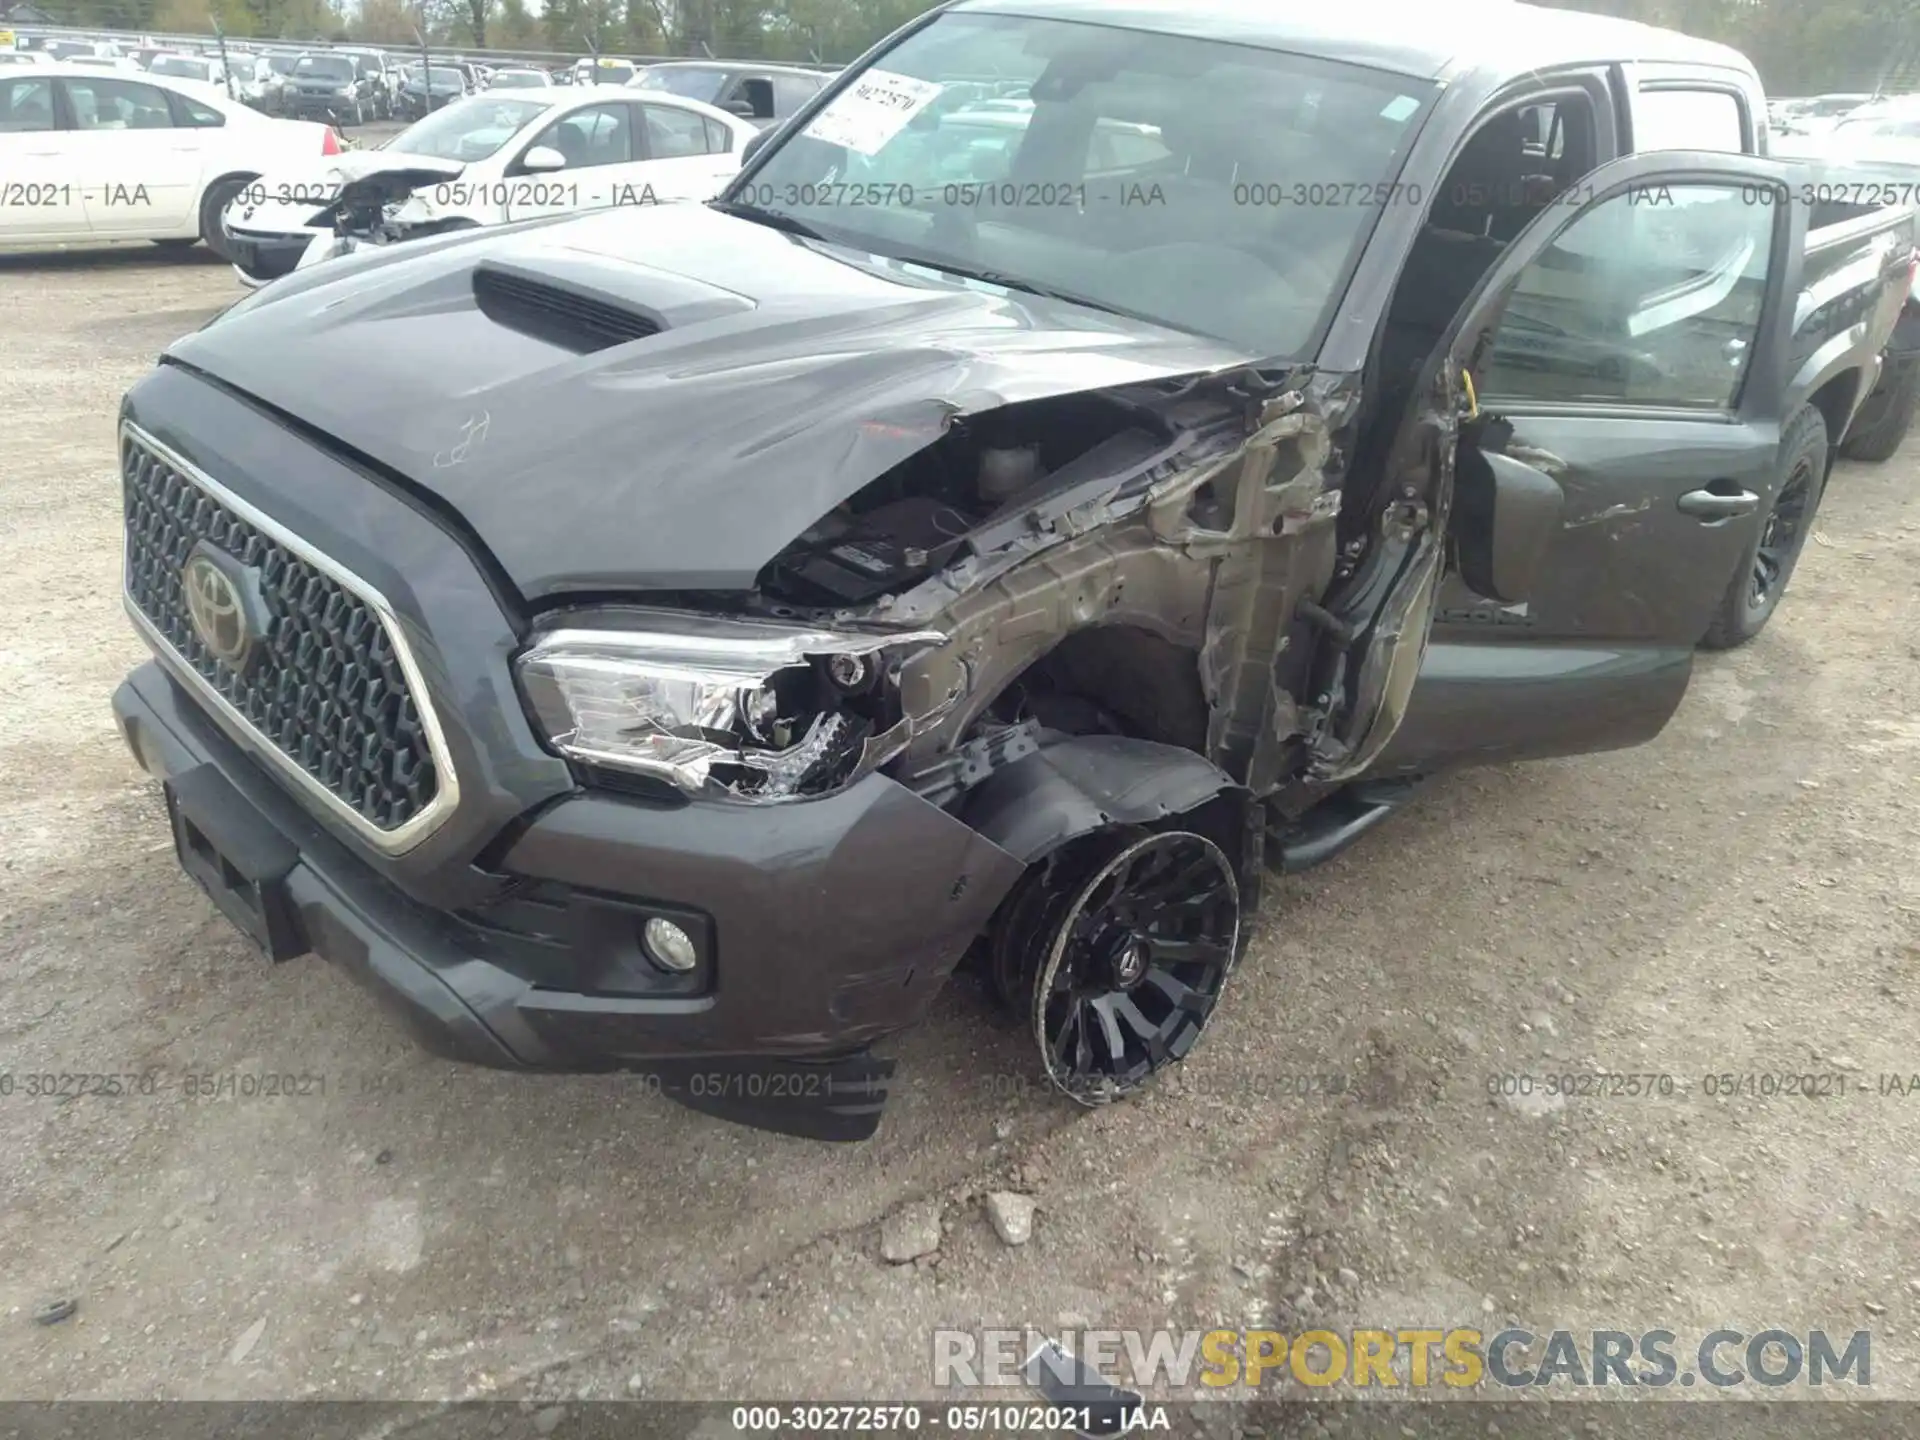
{"x":243,"y":176}
{"x":1114,"y":679}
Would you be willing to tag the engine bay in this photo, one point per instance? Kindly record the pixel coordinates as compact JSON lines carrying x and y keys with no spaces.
{"x":953,"y":496}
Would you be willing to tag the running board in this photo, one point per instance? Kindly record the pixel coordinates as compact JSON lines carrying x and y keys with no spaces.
{"x":1334,"y":824}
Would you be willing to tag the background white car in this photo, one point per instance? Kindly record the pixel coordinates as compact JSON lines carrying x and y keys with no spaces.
{"x":519,"y":77}
{"x":207,"y":70}
{"x":90,"y":154}
{"x":491,"y":158}
{"x":123,"y":63}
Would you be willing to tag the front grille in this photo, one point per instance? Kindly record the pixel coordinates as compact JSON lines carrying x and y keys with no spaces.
{"x":323,"y":685}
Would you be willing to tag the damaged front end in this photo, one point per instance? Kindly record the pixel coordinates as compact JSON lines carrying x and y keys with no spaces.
{"x":385,"y":208}
{"x":1070,"y":623}
{"x":382,"y":206}
{"x":1115,"y":562}
{"x":1121,"y":562}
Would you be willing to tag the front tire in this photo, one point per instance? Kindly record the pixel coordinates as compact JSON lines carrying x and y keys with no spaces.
{"x":1760,"y":580}
{"x":1122,"y":945}
{"x":1885,"y":418}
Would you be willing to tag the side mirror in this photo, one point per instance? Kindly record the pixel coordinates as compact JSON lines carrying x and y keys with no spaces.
{"x":754,"y":147}
{"x":742,"y":108}
{"x":1505,"y":515}
{"x":541,"y":159}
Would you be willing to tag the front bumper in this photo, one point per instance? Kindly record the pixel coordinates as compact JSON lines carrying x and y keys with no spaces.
{"x":330,"y":108}
{"x":829,"y":923}
{"x":261,"y":257}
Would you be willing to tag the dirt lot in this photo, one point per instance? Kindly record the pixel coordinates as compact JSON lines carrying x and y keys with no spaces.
{"x":1741,"y":896}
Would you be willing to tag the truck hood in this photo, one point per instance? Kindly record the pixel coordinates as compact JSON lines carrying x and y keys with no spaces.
{"x":783,"y":375}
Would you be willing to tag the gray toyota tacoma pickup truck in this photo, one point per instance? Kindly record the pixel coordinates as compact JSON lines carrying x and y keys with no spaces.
{"x":1093,"y":454}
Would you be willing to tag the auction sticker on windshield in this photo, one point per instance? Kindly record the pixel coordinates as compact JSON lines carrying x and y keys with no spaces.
{"x":872,"y":110}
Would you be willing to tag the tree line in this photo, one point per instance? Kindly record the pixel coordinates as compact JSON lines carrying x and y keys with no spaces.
{"x":1800,"y":46}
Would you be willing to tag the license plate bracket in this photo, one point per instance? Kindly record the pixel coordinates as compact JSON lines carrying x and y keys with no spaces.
{"x":235,"y":854}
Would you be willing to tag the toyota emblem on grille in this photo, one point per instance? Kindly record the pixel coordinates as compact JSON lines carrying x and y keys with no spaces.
{"x":217,"y":589}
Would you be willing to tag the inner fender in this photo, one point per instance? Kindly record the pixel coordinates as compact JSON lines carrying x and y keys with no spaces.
{"x":1079,"y":785}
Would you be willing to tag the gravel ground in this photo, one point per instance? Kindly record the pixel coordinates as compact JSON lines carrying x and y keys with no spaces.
{"x":1740,"y":896}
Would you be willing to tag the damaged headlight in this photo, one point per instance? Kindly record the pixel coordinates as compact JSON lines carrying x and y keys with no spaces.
{"x":415,"y":209}
{"x":760,"y":710}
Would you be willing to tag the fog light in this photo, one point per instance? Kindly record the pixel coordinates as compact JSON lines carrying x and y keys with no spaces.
{"x":669,"y":947}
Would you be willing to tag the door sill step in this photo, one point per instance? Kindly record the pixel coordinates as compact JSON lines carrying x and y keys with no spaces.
{"x":1334,"y":824}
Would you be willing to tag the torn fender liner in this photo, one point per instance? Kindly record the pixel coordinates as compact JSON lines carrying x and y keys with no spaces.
{"x":1074,"y":787}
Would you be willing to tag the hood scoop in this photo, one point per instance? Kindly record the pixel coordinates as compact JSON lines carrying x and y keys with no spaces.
{"x":573,"y":319}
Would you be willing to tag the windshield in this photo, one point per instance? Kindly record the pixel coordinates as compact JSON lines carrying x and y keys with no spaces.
{"x":182,"y":66}
{"x":1215,"y":188}
{"x":324,"y":67}
{"x":283,"y":64}
{"x":466,"y":130}
{"x":517,"y":80}
{"x":694,"y":82}
{"x":606,"y":72}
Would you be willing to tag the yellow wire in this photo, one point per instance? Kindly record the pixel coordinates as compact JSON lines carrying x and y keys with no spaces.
{"x":1473,"y":399}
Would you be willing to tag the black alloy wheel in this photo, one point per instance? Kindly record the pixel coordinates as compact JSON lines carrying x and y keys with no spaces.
{"x":1134,"y":963}
{"x":1767,"y":562}
{"x":1783,"y":535}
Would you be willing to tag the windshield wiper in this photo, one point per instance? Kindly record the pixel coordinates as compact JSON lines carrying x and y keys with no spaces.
{"x":1025,"y":287}
{"x":775,"y":219}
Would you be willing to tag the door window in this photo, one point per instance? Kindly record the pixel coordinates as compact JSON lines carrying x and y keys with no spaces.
{"x":674,"y":134}
{"x":1650,"y":298}
{"x":750,"y":98}
{"x":595,"y":135}
{"x":790,"y":92}
{"x":105,"y":104}
{"x":191,"y":113}
{"x":25,"y":105}
{"x":1689,"y":120}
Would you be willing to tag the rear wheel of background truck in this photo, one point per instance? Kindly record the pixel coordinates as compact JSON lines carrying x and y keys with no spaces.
{"x":213,"y":205}
{"x":1888,"y":412}
{"x":1762,"y":575}
{"x":1119,"y":946}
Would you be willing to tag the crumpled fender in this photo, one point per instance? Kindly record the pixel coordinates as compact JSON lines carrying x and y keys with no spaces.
{"x":1073,"y":787}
